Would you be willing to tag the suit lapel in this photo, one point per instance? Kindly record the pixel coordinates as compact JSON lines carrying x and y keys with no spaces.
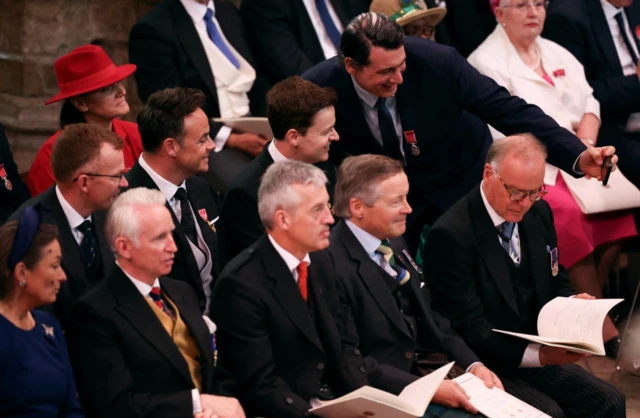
{"x":633,"y":25}
{"x":539,"y":260}
{"x":198,"y":204}
{"x":407,"y":108}
{"x":602,"y":34}
{"x":133,"y":307}
{"x":371,"y":276}
{"x":492,"y":251}
{"x":286,"y":292}
{"x":106,"y":254}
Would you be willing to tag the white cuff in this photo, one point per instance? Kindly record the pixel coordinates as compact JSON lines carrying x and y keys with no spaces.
{"x":531,"y":357}
{"x":195,"y":398}
{"x":471,"y":366}
{"x":221,"y":138}
{"x":575,"y":165}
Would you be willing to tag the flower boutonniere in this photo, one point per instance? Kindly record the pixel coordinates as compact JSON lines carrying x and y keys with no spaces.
{"x":558,"y":73}
{"x":638,"y":31}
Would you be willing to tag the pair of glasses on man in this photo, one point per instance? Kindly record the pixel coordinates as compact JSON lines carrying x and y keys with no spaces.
{"x":518,"y":195}
{"x":523,"y":6}
{"x":117,"y":177}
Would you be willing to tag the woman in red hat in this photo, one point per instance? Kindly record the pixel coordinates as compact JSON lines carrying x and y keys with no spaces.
{"x":92,"y":89}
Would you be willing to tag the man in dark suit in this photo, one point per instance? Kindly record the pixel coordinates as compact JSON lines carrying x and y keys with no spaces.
{"x":290,"y":36}
{"x":421,"y":103}
{"x":176,"y":145}
{"x":88,"y":165}
{"x":489,"y":269}
{"x":13,"y":192}
{"x":302,"y":118}
{"x":137,"y":341}
{"x":603,"y":36}
{"x":201,"y":44}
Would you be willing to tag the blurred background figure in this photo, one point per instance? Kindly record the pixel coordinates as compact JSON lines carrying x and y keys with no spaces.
{"x":13,"y":192}
{"x":91,"y":87}
{"x":36,"y":379}
{"x":547,"y":75}
{"x":415,"y":17}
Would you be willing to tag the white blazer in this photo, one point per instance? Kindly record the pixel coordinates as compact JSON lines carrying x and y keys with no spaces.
{"x":567,"y":102}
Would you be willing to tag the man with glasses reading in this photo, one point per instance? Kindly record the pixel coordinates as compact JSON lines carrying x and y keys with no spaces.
{"x":491,"y":262}
{"x":88,"y":164}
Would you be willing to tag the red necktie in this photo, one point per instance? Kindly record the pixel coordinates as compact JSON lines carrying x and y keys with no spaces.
{"x":302,"y":279}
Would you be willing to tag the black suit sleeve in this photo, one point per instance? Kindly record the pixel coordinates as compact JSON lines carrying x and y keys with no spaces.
{"x":102,"y":376}
{"x":241,"y":221}
{"x":617,"y":95}
{"x":243,"y":341}
{"x":456,"y":296}
{"x":274,"y":43}
{"x":19,"y":193}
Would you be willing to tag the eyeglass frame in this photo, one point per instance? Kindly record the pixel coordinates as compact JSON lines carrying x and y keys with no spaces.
{"x":117,"y":177}
{"x":521,"y":7}
{"x":533,"y":196}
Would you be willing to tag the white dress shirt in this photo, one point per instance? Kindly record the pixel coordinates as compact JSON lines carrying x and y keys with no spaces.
{"x":201,"y":250}
{"x":328,"y":48}
{"x":145,"y":290}
{"x":275,"y":153}
{"x":290,"y":260}
{"x":232,"y":84}
{"x":73,"y":217}
{"x":531,"y":357}
{"x":368,"y":102}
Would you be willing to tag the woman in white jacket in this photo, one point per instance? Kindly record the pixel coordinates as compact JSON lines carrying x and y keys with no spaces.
{"x":547,"y":75}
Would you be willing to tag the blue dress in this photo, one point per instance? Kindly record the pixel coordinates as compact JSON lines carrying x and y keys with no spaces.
{"x":36,"y":379}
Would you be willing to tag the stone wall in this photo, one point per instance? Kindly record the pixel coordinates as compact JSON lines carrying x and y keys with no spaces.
{"x":33,"y":33}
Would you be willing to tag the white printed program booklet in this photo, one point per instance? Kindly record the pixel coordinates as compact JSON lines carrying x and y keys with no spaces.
{"x":369,"y":402}
{"x":258,"y":126}
{"x":571,"y":323}
{"x":494,"y":402}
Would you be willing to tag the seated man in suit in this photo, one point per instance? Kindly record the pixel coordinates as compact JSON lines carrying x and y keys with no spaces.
{"x":13,"y":192}
{"x":290,"y":36}
{"x":137,"y":341}
{"x":88,"y":165}
{"x":488,"y":268}
{"x":176,"y":145}
{"x":603,"y":35}
{"x":378,"y":280}
{"x":201,"y":44}
{"x":302,"y":116}
{"x":422,"y":104}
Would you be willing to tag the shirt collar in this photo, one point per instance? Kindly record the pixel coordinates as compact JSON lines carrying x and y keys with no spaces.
{"x":290,"y":259}
{"x":275,"y":153}
{"x":73,"y":217}
{"x":497,"y":219}
{"x":167,"y":188}
{"x":142,"y":287}
{"x":197,"y":10}
{"x":609,"y":9}
{"x":368,"y":241}
{"x":369,"y":98}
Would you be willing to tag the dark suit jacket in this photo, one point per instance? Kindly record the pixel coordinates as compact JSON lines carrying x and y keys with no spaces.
{"x":10,"y":200}
{"x":471,"y":281}
{"x":273,"y":346}
{"x":581,"y":27}
{"x":240,"y":216}
{"x":438,"y":98}
{"x":361,"y":285}
{"x":77,"y":283}
{"x":467,"y":24}
{"x":282,"y":36}
{"x":125,"y":362}
{"x":202,"y":196}
{"x":168,"y":52}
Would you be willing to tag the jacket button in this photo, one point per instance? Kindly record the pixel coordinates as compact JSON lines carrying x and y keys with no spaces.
{"x":362,"y":369}
{"x":408,"y":355}
{"x":320,"y":366}
{"x":356,"y":352}
{"x":289,"y":401}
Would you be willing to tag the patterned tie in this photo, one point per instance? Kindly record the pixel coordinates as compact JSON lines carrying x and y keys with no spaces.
{"x":156,"y":297}
{"x":507,"y":244}
{"x":187,"y":222}
{"x":216,"y":38}
{"x":625,"y":37}
{"x":88,"y":243}
{"x":303,"y":274}
{"x":390,"y":141}
{"x":327,"y":22}
{"x":386,"y":252}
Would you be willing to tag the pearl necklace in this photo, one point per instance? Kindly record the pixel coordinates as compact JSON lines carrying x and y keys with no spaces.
{"x":538,"y":59}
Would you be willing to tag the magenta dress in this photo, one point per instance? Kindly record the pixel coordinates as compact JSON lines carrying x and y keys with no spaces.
{"x":579,"y":234}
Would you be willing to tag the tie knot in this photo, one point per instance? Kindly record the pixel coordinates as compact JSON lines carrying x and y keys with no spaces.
{"x":507,"y":229}
{"x":381,"y":103}
{"x":209,"y":14}
{"x":384,"y":248}
{"x":181,"y":195}
{"x":85,"y":227}
{"x":302,"y":268}
{"x":155,"y":294}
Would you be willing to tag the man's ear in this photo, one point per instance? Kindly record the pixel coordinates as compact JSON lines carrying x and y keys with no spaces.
{"x":292,"y":137}
{"x":350,"y":65}
{"x":171,"y":146}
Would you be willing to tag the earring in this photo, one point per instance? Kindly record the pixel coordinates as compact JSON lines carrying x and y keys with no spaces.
{"x":23,"y":283}
{"x":504,"y":25}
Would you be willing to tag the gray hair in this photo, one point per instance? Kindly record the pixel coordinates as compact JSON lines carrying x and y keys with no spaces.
{"x":276,"y":191}
{"x":122,"y":218}
{"x":523,"y":146}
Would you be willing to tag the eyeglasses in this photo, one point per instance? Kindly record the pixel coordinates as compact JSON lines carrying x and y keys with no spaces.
{"x":517,"y":195}
{"x":117,"y":177}
{"x":522,"y":6}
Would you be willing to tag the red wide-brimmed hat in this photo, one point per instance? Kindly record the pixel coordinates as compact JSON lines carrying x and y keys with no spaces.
{"x":85,"y":69}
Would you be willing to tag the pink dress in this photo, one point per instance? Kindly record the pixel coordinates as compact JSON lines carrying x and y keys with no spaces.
{"x":579,"y":234}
